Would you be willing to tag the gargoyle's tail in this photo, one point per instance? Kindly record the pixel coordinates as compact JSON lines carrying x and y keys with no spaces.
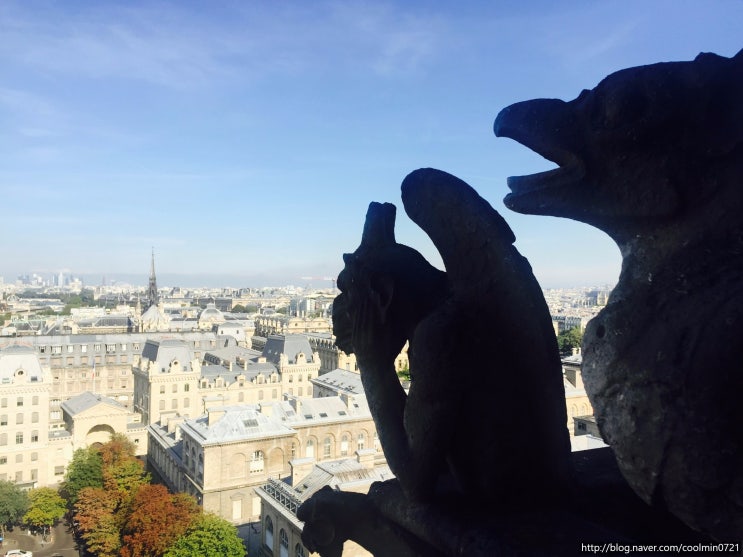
{"x":474,"y":241}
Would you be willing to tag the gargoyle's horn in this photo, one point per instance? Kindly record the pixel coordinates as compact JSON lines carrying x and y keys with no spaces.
{"x":379,"y":228}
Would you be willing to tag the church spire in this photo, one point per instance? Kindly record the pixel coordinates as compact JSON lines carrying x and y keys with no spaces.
{"x":152,"y":296}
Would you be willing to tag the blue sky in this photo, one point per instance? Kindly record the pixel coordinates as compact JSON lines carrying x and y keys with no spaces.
{"x":244,"y":140}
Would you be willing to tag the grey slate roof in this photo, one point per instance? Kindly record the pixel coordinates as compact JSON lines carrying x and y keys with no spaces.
{"x":290,"y":345}
{"x":341,"y":380}
{"x":339,"y":474}
{"x":85,"y":401}
{"x":237,"y":423}
{"x":167,"y":350}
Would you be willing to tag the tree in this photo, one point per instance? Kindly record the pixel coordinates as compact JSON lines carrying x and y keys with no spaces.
{"x":208,"y":536}
{"x":122,"y":470}
{"x":98,"y":525}
{"x":85,"y":470}
{"x":46,"y":507}
{"x":13,"y":503}
{"x":567,"y":340}
{"x":157,"y":519}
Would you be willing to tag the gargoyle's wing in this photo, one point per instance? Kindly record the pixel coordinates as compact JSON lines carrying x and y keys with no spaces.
{"x":474,"y":241}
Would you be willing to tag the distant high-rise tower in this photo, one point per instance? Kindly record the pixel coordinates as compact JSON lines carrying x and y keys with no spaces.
{"x":152,"y":297}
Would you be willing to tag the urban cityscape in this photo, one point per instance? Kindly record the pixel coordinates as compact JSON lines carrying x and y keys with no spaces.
{"x":238,"y":397}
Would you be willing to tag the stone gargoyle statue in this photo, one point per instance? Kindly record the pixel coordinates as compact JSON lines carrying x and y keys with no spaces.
{"x":653,"y":156}
{"x":482,"y":431}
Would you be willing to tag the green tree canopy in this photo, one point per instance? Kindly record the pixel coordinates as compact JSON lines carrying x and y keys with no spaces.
{"x":46,"y":507}
{"x":567,"y":340}
{"x":85,"y":470}
{"x":209,"y":536}
{"x":13,"y":503}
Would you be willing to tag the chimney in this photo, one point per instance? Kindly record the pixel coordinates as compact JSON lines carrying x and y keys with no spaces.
{"x":214,"y":415}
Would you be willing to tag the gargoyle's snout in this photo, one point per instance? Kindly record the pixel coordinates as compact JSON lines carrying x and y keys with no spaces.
{"x":529,"y":119}
{"x":547,"y":127}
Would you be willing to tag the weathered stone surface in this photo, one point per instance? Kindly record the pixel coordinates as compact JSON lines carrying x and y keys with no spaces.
{"x":654,"y":157}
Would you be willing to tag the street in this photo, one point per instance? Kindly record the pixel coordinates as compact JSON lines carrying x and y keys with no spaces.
{"x":62,"y":542}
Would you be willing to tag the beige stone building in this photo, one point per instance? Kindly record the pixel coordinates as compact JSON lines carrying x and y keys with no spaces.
{"x":281,"y":531}
{"x":222,"y":456}
{"x":30,"y":455}
{"x":277,"y":324}
{"x":92,"y":419}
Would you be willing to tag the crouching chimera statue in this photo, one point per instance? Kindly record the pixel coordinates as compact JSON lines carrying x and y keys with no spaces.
{"x":482,"y":431}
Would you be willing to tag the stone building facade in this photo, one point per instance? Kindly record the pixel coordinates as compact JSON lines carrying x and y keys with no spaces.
{"x":30,"y":455}
{"x":221,"y":457}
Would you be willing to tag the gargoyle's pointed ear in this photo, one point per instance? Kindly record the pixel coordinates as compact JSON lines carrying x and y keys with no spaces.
{"x":719,"y":129}
{"x":379,"y":228}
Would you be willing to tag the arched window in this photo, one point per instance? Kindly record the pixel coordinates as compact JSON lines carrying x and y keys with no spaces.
{"x":310,"y":450}
{"x":361,"y":441}
{"x":283,"y":543}
{"x":269,"y":532}
{"x":299,"y":551}
{"x":241,"y":397}
{"x":344,"y":445}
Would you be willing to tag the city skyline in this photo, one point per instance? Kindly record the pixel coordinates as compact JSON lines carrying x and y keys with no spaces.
{"x":244,"y":141}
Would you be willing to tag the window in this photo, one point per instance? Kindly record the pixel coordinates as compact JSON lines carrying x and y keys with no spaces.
{"x":269,"y":532}
{"x":34,"y":475}
{"x":186,"y":402}
{"x":260,"y":395}
{"x":59,"y":470}
{"x":4,"y":403}
{"x":4,"y":419}
{"x":310,"y":450}
{"x":361,"y":441}
{"x":256,"y":462}
{"x":123,"y":347}
{"x":162,"y":405}
{"x":56,"y":349}
{"x":174,"y":404}
{"x":35,"y":436}
{"x":3,"y":439}
{"x":34,"y":457}
{"x":19,"y":418}
{"x":283,"y":543}
{"x":3,"y":459}
{"x":19,"y":438}
{"x":175,"y":388}
{"x":344,"y":445}
{"x":162,"y":389}
{"x":186,"y":388}
{"x":19,"y":401}
{"x":70,"y":349}
{"x":326,"y":447}
{"x":83,"y":348}
{"x":19,"y":458}
{"x":35,"y":401}
{"x":96,"y":347}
